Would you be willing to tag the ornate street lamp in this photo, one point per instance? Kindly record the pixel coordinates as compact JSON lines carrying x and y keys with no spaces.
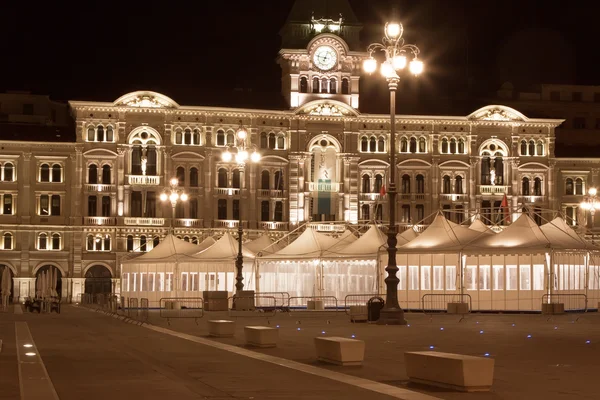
{"x":396,"y":54}
{"x":173,"y":194}
{"x":591,"y":203}
{"x":239,"y":152}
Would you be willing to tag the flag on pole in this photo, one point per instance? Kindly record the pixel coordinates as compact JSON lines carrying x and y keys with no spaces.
{"x":505,"y":210}
{"x":382,"y":190}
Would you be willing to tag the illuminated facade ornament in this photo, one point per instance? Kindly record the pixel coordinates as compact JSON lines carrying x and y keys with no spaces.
{"x":147,"y":102}
{"x":326,"y":110}
{"x":496,"y":115}
{"x":325,"y":24}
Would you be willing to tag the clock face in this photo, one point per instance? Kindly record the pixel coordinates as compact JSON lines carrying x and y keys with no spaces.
{"x":325,"y":57}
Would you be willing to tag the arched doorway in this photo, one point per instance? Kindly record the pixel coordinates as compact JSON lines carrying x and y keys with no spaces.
{"x":11,"y":285}
{"x":52,"y":271}
{"x":324,"y":176}
{"x":98,"y":280}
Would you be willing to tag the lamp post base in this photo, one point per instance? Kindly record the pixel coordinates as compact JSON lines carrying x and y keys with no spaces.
{"x":391,"y":316}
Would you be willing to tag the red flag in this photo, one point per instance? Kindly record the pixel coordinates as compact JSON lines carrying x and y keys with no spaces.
{"x":505,"y":210}
{"x":382,"y":191}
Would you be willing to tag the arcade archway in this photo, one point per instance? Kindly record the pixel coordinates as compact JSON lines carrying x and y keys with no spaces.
{"x":12,"y":285}
{"x":98,"y":280}
{"x":50,"y":269}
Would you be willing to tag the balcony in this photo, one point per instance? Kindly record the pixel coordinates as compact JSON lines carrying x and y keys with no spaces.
{"x":229,"y":223}
{"x":369,"y":196}
{"x":144,"y":180}
{"x":99,"y":220}
{"x":100,"y":188}
{"x":531,"y":199}
{"x":143,"y":221}
{"x":328,"y":227}
{"x":493,"y":189}
{"x":189,"y":223}
{"x":227,"y":191}
{"x":274,"y":194}
{"x":274,"y":226}
{"x":453,"y":197}
{"x":332,"y":187}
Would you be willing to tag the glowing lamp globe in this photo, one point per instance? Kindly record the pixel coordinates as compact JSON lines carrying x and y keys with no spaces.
{"x":586,"y":206}
{"x":174,"y":181}
{"x":173,"y":197}
{"x":370,"y":65}
{"x":393,"y":30}
{"x":416,"y":67}
{"x":255,"y":156}
{"x":592,"y":191}
{"x":163,"y":197}
{"x":387,"y":70}
{"x":242,"y":134}
{"x":226,"y":156}
{"x":183,"y":197}
{"x":399,"y":62}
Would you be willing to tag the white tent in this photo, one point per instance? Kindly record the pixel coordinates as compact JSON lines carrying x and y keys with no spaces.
{"x":264,"y":245}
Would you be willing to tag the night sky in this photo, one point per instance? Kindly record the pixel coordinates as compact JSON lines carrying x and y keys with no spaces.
{"x":199,"y":52}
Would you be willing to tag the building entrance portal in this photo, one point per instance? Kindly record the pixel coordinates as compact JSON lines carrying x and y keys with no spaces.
{"x":98,"y":280}
{"x":324,"y":179}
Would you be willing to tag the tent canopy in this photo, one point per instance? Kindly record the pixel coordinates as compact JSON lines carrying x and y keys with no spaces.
{"x":170,"y":249}
{"x":562,"y":236}
{"x":226,"y":248}
{"x":441,"y":236}
{"x":263,"y":245}
{"x":310,"y":244}
{"x":367,"y":245}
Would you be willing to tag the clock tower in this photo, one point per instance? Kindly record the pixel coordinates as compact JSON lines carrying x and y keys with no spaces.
{"x":319,"y":59}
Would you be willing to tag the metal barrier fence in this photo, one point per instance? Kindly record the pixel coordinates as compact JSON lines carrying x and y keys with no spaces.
{"x":439,"y":302}
{"x":571,"y":301}
{"x":144,"y":309}
{"x":253,"y":306}
{"x":359,"y":300}
{"x":282,"y":299}
{"x":132,"y":310}
{"x":313,"y":304}
{"x":181,"y":307}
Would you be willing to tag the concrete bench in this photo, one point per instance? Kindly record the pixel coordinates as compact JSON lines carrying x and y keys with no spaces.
{"x":221,"y":328}
{"x":261,"y":336}
{"x":358,"y":313}
{"x":315,"y":305}
{"x":454,"y":371}
{"x":340,"y":350}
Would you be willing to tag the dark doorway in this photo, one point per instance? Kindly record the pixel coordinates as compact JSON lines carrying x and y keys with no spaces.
{"x":50,"y":269}
{"x":98,"y":280}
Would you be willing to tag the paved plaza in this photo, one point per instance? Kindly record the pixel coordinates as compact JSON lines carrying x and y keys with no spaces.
{"x":91,"y":355}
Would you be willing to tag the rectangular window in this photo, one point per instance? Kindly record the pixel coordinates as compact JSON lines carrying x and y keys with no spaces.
{"x":184,"y":281}
{"x":169,"y":282}
{"x":160,"y":282}
{"x":484,"y":277}
{"x":406,"y":213}
{"x":92,"y":206}
{"x":425,"y":277}
{"x":538,"y":277}
{"x":8,"y":202}
{"x":438,"y":277}
{"x":136,"y":204}
{"x":511,"y":277}
{"x":498,"y":277}
{"x":450,"y":277}
{"x":55,"y":207}
{"x":413,"y":277}
{"x":402,"y":277}
{"x":194,"y":282}
{"x":471,"y":277}
{"x":236,"y":209}
{"x":125,"y":282}
{"x":525,"y":282}
{"x":222,"y":209}
{"x":44,"y":204}
{"x":106,"y":206}
{"x":151,"y":276}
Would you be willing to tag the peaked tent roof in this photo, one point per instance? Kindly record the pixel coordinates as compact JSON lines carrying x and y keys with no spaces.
{"x":345,"y":240}
{"x":310,"y":244}
{"x":524,"y":233}
{"x":561,"y":235}
{"x":226,"y":248}
{"x":170,"y":249}
{"x":205,"y":244}
{"x":263,"y":245}
{"x":479,"y":226}
{"x":366,"y":245}
{"x":441,"y":235}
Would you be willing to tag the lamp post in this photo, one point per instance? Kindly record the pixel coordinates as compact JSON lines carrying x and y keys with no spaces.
{"x":241,"y":146}
{"x":173,"y":194}
{"x":396,"y":53}
{"x":591,"y":203}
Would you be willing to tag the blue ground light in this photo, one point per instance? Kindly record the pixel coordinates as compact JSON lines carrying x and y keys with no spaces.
{"x":480,"y":332}
{"x":486,"y":355}
{"x":431,"y":347}
{"x":441,"y":329}
{"x":588,"y":342}
{"x":528,"y":336}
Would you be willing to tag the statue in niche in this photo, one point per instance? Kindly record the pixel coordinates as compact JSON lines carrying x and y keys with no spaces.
{"x":323,"y":167}
{"x":144,"y":160}
{"x":493,"y":177}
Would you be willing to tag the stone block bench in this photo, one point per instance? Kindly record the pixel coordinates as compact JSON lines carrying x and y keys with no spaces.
{"x":453,"y":371}
{"x":358,"y":313}
{"x":340,"y":350}
{"x":316,"y":305}
{"x":261,"y":336}
{"x":221,"y":328}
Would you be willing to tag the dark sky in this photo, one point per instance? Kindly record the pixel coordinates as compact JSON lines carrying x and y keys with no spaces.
{"x":197,"y":52}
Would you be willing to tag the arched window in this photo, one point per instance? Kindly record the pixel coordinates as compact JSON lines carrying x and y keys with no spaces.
{"x":56,"y":173}
{"x":279,"y":180}
{"x":345,"y":86}
{"x":263,"y":140}
{"x":7,"y":243}
{"x":364,"y":144}
{"x":45,"y":173}
{"x":461,"y":146}
{"x":271,"y":140}
{"x":444,"y":146}
{"x":106,"y":178}
{"x":91,"y":134}
{"x":372,"y":144}
{"x":278,"y":211}
{"x":194,"y":177}
{"x":106,"y":243}
{"x":303,"y":85}
{"x":178,"y":137}
{"x":540,"y":148}
{"x":42,"y":241}
{"x":403,"y":145}
{"x":333,"y":86}
{"x":143,"y":243}
{"x":230,"y":139}
{"x":220,"y":138}
{"x":525,"y":186}
{"x":420,"y":184}
{"x":155,"y":241}
{"x":499,"y":168}
{"x":264,"y":211}
{"x":187,"y":136}
{"x":196,"y":137}
{"x":537,"y":187}
{"x":381,"y":145}
{"x":523,"y":147}
{"x":405,"y":184}
{"x":100,"y":134}
{"x":9,"y":169}
{"x":222,"y":178}
{"x":531,"y":148}
{"x":365,"y":212}
{"x":151,"y":164}
{"x":578,"y":186}
{"x":90,"y":243}
{"x":280,"y":142}
{"x":180,"y":174}
{"x":194,"y":239}
{"x":109,"y":134}
{"x":447,"y":188}
{"x":129,"y":243}
{"x":265,"y":180}
{"x":458,"y":185}
{"x":55,"y":241}
{"x":366,"y":183}
{"x":315,"y":88}
{"x":413,"y":145}
{"x":136,"y":160}
{"x":324,"y":85}
{"x":569,"y":189}
{"x":422,"y":145}
{"x":92,"y":174}
{"x":235,"y":179}
{"x":452,"y":146}
{"x":186,"y":239}
{"x":378,"y":183}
